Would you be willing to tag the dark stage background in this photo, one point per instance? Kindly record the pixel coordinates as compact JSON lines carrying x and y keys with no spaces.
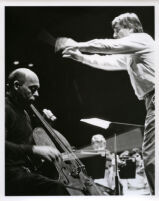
{"x":70,"y":89}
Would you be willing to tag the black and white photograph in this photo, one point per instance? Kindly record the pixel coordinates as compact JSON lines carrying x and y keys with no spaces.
{"x":79,"y":99}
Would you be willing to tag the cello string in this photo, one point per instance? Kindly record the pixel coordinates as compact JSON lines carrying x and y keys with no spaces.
{"x":49,"y":128}
{"x":96,"y":190}
{"x":51,"y":131}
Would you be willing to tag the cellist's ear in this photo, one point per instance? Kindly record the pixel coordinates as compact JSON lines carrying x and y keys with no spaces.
{"x":16,"y":85}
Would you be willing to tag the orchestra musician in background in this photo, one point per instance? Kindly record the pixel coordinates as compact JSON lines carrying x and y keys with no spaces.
{"x":137,"y":185}
{"x":20,"y":176}
{"x":131,"y":50}
{"x":99,"y":144}
{"x":140,"y":177}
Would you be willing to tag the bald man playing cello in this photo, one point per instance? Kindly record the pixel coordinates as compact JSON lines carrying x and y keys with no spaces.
{"x":20,"y":178}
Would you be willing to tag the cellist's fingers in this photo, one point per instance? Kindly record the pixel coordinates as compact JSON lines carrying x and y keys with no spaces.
{"x":47,"y":152}
{"x":55,"y":154}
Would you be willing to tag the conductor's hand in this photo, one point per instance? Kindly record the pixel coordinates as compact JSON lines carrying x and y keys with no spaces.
{"x":47,"y":152}
{"x":64,"y":42}
{"x":72,"y":53}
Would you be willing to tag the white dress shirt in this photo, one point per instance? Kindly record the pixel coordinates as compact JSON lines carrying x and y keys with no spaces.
{"x":134,"y":53}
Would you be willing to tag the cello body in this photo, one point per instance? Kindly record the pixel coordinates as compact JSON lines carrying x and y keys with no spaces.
{"x":73,"y":178}
{"x":71,"y":175}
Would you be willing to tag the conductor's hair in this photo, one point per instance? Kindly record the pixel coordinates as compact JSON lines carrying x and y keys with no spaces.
{"x":128,"y":20}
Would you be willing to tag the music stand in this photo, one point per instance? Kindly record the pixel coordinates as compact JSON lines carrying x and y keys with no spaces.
{"x":105,"y":125}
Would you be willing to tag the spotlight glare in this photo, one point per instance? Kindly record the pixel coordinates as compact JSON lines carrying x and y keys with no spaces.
{"x":16,"y":62}
{"x":30,"y":65}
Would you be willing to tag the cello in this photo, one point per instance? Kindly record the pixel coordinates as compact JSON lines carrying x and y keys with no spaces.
{"x":73,"y":175}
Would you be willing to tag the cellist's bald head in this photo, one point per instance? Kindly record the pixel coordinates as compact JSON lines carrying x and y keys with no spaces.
{"x":21,"y":75}
{"x":23,"y":84}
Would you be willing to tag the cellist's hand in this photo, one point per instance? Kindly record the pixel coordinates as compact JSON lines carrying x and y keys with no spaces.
{"x":47,"y":152}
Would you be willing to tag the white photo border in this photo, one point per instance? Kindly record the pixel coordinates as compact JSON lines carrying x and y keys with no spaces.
{"x":2,"y":80}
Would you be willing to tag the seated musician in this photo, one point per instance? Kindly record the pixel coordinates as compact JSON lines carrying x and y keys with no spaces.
{"x":139,"y":183}
{"x":99,"y":144}
{"x":20,"y":178}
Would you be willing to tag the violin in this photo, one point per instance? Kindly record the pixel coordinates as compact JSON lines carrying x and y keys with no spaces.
{"x":72,"y":175}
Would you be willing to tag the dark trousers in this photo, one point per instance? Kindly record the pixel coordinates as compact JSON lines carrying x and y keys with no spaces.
{"x":149,"y":141}
{"x":21,"y":181}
